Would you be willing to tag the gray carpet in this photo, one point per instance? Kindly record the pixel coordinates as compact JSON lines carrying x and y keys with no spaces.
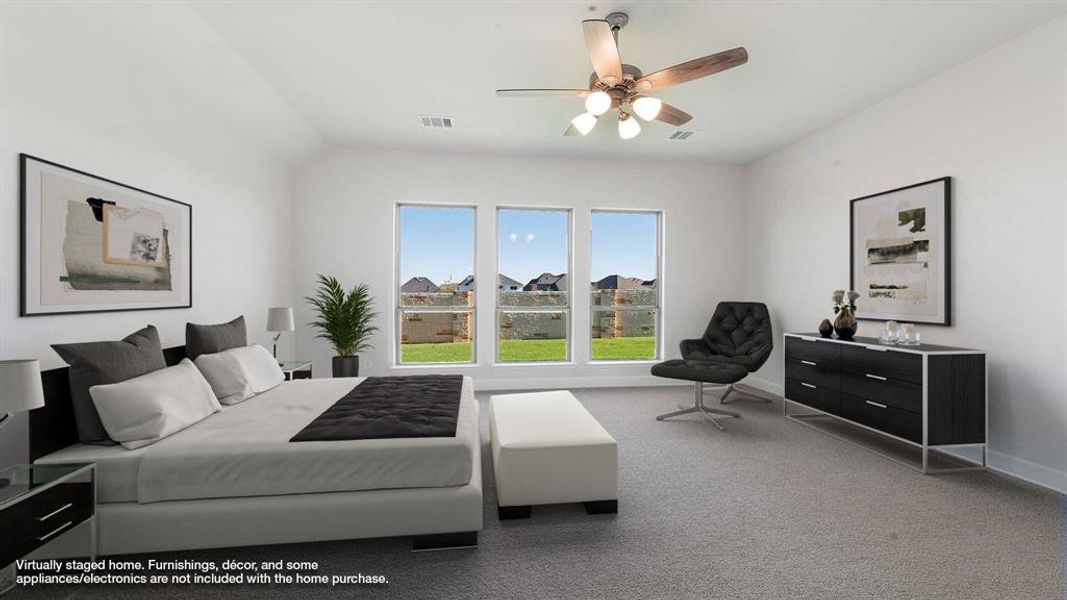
{"x":767,"y":509}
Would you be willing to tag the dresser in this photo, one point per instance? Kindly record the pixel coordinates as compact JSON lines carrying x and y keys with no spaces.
{"x":928,"y":396}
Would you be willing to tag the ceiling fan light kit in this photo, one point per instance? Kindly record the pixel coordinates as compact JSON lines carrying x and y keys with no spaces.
{"x":614,"y":85}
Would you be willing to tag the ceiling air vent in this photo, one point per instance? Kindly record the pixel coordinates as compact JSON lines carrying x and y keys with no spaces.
{"x":681,"y":135}
{"x":436,"y":122}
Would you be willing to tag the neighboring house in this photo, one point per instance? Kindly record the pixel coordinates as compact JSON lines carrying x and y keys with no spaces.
{"x":547,"y":282}
{"x":419,"y":285}
{"x":650,"y":283}
{"x":504,"y":283}
{"x":618,"y":282}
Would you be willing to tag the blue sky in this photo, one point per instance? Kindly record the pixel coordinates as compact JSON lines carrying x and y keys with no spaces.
{"x":438,"y":242}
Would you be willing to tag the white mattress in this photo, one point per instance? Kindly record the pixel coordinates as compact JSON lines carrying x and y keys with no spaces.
{"x":244,"y":450}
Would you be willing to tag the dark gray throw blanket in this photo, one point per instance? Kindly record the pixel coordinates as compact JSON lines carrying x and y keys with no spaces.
{"x":409,"y":406}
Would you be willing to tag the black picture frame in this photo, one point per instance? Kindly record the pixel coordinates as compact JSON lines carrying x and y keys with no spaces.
{"x":24,"y":309}
{"x":946,"y":287}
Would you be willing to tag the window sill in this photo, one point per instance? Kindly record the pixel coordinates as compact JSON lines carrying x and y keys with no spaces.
{"x":435,"y":366}
{"x":643,"y":362}
{"x":546,"y":363}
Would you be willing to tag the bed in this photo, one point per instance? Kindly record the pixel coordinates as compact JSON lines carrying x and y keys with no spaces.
{"x":235,"y":479}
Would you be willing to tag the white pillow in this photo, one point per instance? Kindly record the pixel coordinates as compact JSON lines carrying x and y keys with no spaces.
{"x":240,"y":373}
{"x":143,"y":410}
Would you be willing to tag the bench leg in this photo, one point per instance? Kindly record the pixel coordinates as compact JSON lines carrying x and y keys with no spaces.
{"x":698,"y":407}
{"x":444,"y":541}
{"x":601,"y":507}
{"x":505,"y":513}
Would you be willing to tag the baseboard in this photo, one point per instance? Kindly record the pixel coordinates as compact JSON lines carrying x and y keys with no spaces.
{"x":765,"y":385}
{"x":1027,"y":471}
{"x":557,"y":383}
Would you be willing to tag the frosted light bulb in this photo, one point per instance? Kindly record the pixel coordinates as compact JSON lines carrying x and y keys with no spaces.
{"x":584,"y":123}
{"x":629,"y":128}
{"x":647,"y":107}
{"x":597,"y":103}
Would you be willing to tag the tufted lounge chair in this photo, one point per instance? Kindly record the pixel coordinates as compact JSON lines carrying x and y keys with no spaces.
{"x":739,"y":333}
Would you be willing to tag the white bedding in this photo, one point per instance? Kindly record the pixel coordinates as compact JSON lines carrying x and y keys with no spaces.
{"x":116,"y":468}
{"x":244,"y":450}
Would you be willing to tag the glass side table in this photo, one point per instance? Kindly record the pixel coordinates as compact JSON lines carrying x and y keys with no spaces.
{"x":296,"y":369}
{"x":41,"y":502}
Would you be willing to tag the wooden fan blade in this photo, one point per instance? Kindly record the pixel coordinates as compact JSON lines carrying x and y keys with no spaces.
{"x":546,"y":92}
{"x":672,"y":115}
{"x":571,"y":130}
{"x":694,"y":69}
{"x":603,"y":52}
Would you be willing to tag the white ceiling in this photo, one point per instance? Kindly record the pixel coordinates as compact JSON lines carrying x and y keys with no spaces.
{"x":360,"y":73}
{"x":289,"y":76}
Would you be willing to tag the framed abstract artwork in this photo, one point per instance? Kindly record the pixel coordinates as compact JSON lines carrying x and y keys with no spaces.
{"x":89,"y":244}
{"x":900,"y":253}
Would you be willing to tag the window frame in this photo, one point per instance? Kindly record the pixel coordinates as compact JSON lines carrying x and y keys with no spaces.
{"x":567,"y":310}
{"x":593,"y":310}
{"x":399,"y":309}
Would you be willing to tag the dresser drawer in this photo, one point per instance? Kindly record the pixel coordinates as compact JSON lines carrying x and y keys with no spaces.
{"x":824,"y":354}
{"x":891,"y":420}
{"x":809,"y":394}
{"x":898,"y":366}
{"x":801,"y":369}
{"x":898,"y":394}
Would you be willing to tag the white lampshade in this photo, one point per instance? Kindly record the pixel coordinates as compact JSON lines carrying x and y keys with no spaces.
{"x":584,"y":123}
{"x":629,"y":128}
{"x":647,"y":107}
{"x":280,"y":319}
{"x":597,"y":103}
{"x":20,"y":385}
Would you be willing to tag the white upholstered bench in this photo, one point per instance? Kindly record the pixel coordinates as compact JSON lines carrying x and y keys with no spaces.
{"x":548,"y":449}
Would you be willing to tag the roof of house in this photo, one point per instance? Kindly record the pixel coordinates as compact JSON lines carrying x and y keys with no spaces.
{"x":419,"y":285}
{"x":502,"y":280}
{"x":548,"y":280}
{"x":618,"y":282}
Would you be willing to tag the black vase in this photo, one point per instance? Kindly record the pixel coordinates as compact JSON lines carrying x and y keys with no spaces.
{"x":845,"y":324}
{"x":826,"y":329}
{"x":346,"y":366}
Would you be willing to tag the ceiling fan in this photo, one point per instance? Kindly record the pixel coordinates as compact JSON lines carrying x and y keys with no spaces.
{"x":614,"y":85}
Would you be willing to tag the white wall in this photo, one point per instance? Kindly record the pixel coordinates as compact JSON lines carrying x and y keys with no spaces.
{"x":240,"y":197}
{"x":996,"y":124}
{"x":345,"y":212}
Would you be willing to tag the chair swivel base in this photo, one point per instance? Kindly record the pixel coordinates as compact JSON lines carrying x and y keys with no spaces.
{"x":699,"y":408}
{"x":745,"y":395}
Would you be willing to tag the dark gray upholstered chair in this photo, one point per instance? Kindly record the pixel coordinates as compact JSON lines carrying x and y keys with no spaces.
{"x":739,"y":333}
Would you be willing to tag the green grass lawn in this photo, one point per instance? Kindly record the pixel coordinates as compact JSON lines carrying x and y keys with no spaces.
{"x":633,"y":348}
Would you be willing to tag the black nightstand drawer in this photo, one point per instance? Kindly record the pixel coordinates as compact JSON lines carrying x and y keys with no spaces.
{"x":823,"y":354}
{"x":900,"y":366}
{"x":900,"y":394}
{"x":800,"y":369}
{"x":812,"y":395}
{"x":901,"y":423}
{"x":43,"y":517}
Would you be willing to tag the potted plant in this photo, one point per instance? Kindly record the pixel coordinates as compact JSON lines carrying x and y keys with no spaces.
{"x":344,"y":319}
{"x":845,"y":324}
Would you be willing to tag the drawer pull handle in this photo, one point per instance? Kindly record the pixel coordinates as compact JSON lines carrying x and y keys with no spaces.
{"x":56,"y":511}
{"x":54,"y":531}
{"x":878,"y":377}
{"x":876,"y":404}
{"x":808,"y":362}
{"x":807,"y":385}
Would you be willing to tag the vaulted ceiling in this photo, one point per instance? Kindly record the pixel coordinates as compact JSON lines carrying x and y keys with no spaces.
{"x":360,"y":73}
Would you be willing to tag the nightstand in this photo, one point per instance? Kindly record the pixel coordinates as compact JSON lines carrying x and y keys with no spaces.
{"x":297,"y":369}
{"x":40,"y":503}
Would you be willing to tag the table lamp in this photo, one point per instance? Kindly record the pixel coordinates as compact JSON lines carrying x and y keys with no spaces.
{"x":279,"y":319}
{"x":20,"y":390}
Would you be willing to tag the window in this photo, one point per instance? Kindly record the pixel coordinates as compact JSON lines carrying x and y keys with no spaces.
{"x":533,"y":294}
{"x":625,"y":299}
{"x":435,"y":271}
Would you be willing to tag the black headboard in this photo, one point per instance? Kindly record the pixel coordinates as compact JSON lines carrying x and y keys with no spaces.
{"x":52,"y":427}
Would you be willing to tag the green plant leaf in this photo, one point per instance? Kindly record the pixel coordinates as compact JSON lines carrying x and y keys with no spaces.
{"x":345,"y":319}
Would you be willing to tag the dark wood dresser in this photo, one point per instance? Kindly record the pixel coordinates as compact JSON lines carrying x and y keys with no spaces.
{"x":929,"y":396}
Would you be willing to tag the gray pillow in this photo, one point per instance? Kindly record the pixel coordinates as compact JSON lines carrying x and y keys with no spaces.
{"x":99,"y":363}
{"x":209,"y":339}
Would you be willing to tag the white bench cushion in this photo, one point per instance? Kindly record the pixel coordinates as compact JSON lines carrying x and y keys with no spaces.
{"x":548,"y":449}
